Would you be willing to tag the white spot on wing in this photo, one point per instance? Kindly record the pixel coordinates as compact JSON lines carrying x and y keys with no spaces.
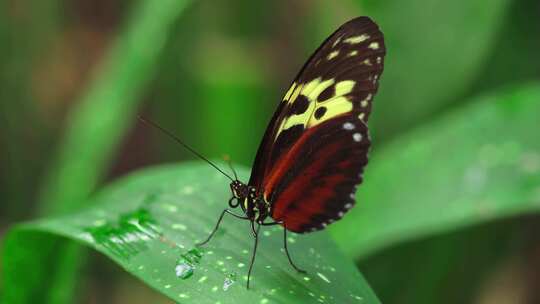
{"x":357,"y":39}
{"x":365,"y":101}
{"x":374,"y":46}
{"x":348,"y":126}
{"x":357,"y":137}
{"x":336,"y":42}
{"x":361,"y":116}
{"x":332,"y":55}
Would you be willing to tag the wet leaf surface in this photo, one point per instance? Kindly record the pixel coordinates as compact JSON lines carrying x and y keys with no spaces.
{"x":149,"y":224}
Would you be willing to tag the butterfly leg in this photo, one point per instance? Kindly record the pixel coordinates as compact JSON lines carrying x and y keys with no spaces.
{"x":285,"y":245}
{"x":253,"y":231}
{"x":254,"y":253}
{"x":287,"y":252}
{"x":226,"y":211}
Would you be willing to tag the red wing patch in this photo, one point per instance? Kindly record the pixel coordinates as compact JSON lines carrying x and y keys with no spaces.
{"x":314,"y":184}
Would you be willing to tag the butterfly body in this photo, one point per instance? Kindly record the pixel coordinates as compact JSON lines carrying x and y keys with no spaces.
{"x":253,"y":205}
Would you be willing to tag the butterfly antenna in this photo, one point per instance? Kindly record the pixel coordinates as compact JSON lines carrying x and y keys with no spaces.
{"x":228,"y":160}
{"x":178,"y":140}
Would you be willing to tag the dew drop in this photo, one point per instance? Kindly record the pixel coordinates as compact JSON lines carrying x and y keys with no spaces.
{"x":323,"y":277}
{"x":170,"y":208}
{"x":126,"y":236}
{"x":187,"y":190}
{"x":99,"y":222}
{"x":181,"y":227}
{"x":183,"y":270}
{"x":185,"y":265}
{"x":202,"y":279}
{"x":183,"y":296}
{"x":229,"y":281}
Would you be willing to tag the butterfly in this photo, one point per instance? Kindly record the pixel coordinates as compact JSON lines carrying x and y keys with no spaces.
{"x":313,"y":153}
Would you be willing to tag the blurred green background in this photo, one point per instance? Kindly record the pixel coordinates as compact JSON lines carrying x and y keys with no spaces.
{"x":74,"y":74}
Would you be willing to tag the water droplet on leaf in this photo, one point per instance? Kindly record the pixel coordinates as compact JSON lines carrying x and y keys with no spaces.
{"x":183,"y":270}
{"x":185,"y":265}
{"x":229,"y":280}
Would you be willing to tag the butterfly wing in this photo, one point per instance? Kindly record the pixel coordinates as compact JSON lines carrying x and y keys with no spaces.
{"x":316,"y":144}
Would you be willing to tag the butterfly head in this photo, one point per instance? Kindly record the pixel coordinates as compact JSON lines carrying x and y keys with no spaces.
{"x":239,"y":190}
{"x":245,"y":196}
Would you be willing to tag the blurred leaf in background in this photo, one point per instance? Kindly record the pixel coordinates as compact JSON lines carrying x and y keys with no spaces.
{"x":436,"y":49}
{"x":25,"y":31}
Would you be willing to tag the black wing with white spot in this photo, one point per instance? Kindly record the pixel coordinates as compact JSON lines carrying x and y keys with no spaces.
{"x":337,"y":84}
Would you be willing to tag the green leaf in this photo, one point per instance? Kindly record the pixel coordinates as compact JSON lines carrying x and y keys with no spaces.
{"x":477,"y":164}
{"x":149,"y":222}
{"x":501,"y":66}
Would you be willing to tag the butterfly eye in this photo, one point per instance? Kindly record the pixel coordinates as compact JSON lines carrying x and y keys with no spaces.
{"x":233,"y":205}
